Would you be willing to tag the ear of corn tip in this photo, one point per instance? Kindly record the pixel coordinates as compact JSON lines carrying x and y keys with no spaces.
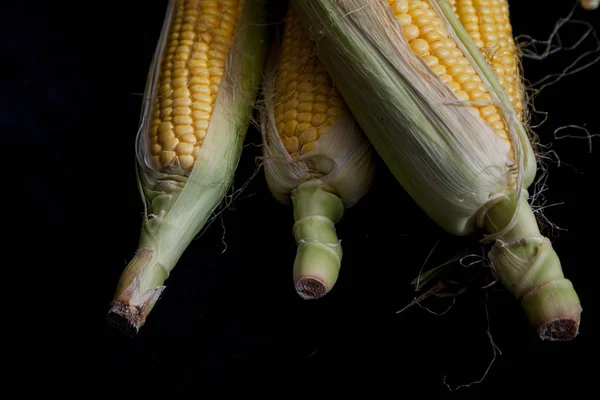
{"x":199,"y":98}
{"x":404,"y":68}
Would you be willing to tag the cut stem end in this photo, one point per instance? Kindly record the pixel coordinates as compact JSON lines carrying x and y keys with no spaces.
{"x":319,"y":253}
{"x":559,"y":330}
{"x":554,"y":309}
{"x":311,"y":288}
{"x":125,"y":319}
{"x":132,"y":302}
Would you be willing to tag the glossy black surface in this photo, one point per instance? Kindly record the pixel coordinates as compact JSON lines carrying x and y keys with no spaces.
{"x":229,"y":320}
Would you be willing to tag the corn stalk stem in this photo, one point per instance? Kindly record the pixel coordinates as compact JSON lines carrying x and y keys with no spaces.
{"x":319,"y":255}
{"x":132,"y":302}
{"x":527,"y":265}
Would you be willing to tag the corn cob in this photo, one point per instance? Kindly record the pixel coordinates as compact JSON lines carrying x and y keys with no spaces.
{"x":315,"y":155}
{"x":423,"y":93}
{"x":199,"y":97}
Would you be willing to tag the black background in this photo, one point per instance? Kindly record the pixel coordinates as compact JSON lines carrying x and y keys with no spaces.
{"x":230,"y":321}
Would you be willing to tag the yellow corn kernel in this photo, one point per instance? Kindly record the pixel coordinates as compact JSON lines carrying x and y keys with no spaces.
{"x":488,"y":25}
{"x":306,"y":103}
{"x":439,"y":51}
{"x":191,"y":71}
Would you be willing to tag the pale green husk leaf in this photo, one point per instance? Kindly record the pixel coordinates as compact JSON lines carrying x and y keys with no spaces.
{"x":448,"y":159}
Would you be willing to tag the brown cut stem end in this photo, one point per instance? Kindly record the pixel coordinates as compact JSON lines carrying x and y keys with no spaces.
{"x":559,"y":330}
{"x":130,"y":307}
{"x":554,"y":309}
{"x":125,"y":318}
{"x":310,"y":288}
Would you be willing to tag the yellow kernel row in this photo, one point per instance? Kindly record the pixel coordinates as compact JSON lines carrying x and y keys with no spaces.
{"x":488,"y":25}
{"x":427,"y":37}
{"x":200,"y":38}
{"x":306,"y":102}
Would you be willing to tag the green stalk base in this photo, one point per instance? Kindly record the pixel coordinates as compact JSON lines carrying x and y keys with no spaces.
{"x":316,"y":269}
{"x":318,"y":258}
{"x":132,"y":302}
{"x":554,"y":310}
{"x":527,"y":265}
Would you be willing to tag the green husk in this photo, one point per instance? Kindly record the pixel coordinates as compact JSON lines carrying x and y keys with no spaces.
{"x":448,"y":159}
{"x":177,"y":207}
